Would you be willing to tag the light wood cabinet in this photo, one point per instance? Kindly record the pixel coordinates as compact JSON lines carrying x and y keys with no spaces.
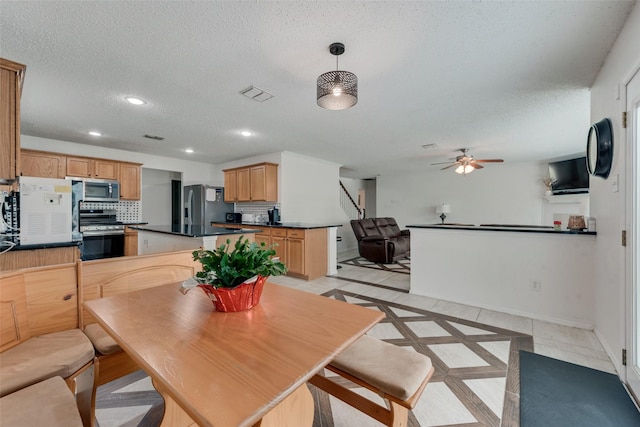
{"x":86,"y":167}
{"x":11,"y":81}
{"x":129,"y":176}
{"x":55,"y":165}
{"x":42,"y":164}
{"x":130,"y":241}
{"x":253,"y":183}
{"x":230,"y":186}
{"x":303,"y":251}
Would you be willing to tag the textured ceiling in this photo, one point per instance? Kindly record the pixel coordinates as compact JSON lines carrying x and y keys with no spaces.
{"x":508,"y":79}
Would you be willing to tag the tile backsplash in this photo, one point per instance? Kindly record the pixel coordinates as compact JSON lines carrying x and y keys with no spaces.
{"x":126,"y":211}
{"x":257,"y":208}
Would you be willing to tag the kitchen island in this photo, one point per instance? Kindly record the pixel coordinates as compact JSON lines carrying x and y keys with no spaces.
{"x":531,"y":271}
{"x":154,"y":239}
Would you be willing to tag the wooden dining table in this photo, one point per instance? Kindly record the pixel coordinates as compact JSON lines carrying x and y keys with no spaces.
{"x":246,"y":368}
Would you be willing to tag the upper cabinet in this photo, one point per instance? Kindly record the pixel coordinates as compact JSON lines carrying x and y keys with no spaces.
{"x":11,"y":80}
{"x":253,"y":183}
{"x":43,"y":164}
{"x":56,"y":165}
{"x":129,"y":176}
{"x":86,"y":167}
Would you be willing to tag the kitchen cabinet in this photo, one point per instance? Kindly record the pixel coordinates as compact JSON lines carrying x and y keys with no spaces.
{"x":11,"y":81}
{"x":86,"y":167}
{"x":42,"y":164}
{"x":130,"y":241}
{"x":230,"y":186}
{"x":129,"y":176}
{"x":253,"y":183}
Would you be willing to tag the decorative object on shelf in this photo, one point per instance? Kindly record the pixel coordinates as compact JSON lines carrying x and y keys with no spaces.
{"x":443,"y":209}
{"x":600,"y":148}
{"x":576,"y":222}
{"x":234,"y":278}
{"x":337,"y":90}
{"x":557,"y":225}
{"x":547,"y":181}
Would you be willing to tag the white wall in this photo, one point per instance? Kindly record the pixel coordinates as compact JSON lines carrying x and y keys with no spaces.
{"x":192,"y":172}
{"x":498,"y":194}
{"x":156,"y":195}
{"x":607,"y":206}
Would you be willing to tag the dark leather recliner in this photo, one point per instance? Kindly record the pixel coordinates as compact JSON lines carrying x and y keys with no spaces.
{"x":380,"y":240}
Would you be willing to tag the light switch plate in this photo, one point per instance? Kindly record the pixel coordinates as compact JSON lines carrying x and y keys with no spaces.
{"x":615,"y":187}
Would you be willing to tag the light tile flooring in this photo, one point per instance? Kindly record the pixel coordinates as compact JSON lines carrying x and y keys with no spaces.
{"x":575,"y":345}
{"x":570,"y":344}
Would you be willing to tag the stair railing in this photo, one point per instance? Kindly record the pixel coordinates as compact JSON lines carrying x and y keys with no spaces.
{"x":349,"y":206}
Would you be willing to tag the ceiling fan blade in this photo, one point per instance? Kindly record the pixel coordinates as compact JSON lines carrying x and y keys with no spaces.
{"x":476,"y":165}
{"x":450,"y":166}
{"x":441,"y":163}
{"x":489,"y":160}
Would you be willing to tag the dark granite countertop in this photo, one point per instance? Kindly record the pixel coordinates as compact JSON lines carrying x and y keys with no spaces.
{"x":301,"y":225}
{"x":134,"y":223}
{"x":193,"y":230}
{"x":43,"y":246}
{"x":501,"y":227}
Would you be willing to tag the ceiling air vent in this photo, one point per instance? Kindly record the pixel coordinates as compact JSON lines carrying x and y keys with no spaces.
{"x":256,"y":94}
{"x":154,"y":137}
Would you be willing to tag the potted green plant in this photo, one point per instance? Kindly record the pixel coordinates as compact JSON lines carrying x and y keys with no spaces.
{"x":233,"y":276}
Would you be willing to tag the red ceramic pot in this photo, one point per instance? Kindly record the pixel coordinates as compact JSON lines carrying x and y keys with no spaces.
{"x":242,"y":297}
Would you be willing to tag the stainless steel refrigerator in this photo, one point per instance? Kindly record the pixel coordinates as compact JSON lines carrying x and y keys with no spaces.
{"x":204,"y":204}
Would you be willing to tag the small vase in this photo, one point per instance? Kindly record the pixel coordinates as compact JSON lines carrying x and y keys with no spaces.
{"x":242,"y":297}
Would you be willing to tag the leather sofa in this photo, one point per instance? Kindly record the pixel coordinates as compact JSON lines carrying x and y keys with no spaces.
{"x":380,"y":240}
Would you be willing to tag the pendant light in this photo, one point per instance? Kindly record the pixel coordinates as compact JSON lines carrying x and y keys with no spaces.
{"x":337,"y":90}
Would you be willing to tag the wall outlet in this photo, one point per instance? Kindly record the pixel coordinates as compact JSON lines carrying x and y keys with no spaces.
{"x":145,"y":243}
{"x":535,"y":285}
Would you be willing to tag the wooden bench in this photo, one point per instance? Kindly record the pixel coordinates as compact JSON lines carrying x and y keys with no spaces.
{"x":112,"y":276}
{"x":40,"y":338}
{"x":398,"y":375}
{"x":47,"y":403}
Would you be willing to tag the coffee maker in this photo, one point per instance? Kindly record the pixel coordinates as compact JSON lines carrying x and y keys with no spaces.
{"x":274,"y":216}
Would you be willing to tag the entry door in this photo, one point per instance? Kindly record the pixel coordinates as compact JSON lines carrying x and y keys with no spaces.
{"x":633,"y":235}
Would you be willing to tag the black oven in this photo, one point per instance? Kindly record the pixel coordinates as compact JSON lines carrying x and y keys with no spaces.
{"x":102,"y":234}
{"x":102,"y":244}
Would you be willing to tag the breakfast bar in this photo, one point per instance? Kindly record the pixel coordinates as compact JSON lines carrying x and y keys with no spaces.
{"x":168,"y":238}
{"x":550,"y":275}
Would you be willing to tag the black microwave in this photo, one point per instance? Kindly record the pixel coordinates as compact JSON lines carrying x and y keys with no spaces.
{"x":234,"y":217}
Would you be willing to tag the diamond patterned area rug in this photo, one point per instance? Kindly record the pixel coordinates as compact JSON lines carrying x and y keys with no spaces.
{"x":476,"y":382}
{"x":401,"y":266}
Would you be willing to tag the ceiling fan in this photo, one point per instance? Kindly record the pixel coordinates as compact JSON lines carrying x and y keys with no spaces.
{"x":466,"y":163}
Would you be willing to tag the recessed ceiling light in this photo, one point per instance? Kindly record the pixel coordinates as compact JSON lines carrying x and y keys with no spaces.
{"x":95,"y":133}
{"x":245,"y":133}
{"x":188,"y":150}
{"x":135,"y":101}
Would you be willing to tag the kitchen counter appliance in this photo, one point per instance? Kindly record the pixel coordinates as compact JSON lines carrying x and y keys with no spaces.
{"x":102,"y":234}
{"x":99,"y":190}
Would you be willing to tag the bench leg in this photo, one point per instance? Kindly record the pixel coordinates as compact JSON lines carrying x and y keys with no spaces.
{"x":399,"y":415}
{"x":83,"y":385}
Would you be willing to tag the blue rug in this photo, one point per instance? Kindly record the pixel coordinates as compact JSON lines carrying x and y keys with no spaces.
{"x":556,"y":393}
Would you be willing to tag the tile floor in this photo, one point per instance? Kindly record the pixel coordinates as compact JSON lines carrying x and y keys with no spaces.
{"x":574,"y":345}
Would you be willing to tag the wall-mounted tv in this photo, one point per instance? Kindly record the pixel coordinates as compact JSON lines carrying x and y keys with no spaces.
{"x":569,"y":176}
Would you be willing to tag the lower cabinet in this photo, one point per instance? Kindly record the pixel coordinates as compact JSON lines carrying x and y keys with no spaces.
{"x":303,"y":251}
{"x":130,"y":241}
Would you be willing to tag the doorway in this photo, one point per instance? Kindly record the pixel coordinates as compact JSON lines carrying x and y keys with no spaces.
{"x":633,"y":235}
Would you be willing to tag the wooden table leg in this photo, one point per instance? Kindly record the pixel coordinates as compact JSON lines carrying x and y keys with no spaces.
{"x":174,"y":415}
{"x":296,"y":410}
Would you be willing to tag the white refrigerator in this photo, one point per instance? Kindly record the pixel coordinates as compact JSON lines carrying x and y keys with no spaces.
{"x":45,"y":210}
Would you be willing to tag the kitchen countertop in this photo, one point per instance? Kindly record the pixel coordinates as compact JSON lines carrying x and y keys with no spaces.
{"x":301,"y":225}
{"x":501,"y":227}
{"x":42,"y":246}
{"x":193,"y":230}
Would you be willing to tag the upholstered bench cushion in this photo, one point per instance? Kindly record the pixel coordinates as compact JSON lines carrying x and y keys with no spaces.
{"x":101,"y":340}
{"x":394,"y":370}
{"x":36,"y":359}
{"x":47,"y":403}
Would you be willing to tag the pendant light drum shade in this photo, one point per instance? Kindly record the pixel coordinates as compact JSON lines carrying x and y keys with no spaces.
{"x":337,"y":90}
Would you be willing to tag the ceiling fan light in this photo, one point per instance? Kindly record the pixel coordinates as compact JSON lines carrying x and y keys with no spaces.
{"x":465,"y":169}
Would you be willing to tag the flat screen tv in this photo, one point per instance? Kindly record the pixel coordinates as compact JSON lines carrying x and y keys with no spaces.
{"x":569,"y":176}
